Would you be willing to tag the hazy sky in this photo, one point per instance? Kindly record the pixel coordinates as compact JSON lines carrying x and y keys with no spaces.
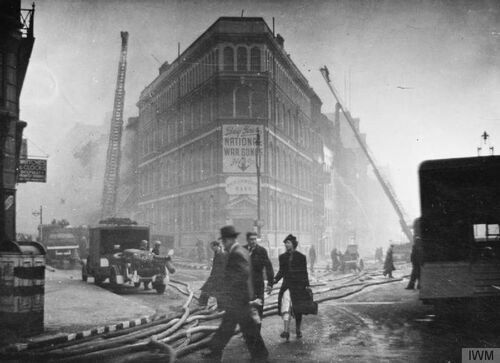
{"x":424,"y":76}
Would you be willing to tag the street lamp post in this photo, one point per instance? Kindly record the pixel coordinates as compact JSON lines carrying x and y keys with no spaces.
{"x":258,"y":161}
{"x":40,"y":214}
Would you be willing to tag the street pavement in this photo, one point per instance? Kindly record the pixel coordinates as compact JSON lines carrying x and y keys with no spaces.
{"x":72,"y":307}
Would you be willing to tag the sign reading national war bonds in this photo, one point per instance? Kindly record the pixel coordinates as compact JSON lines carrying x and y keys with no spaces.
{"x":32,"y":170}
{"x":239,"y":148}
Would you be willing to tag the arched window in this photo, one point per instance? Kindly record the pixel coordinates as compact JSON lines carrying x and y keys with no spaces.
{"x":241,"y":57}
{"x":242,"y":99}
{"x":228,"y":59}
{"x":255,"y":59}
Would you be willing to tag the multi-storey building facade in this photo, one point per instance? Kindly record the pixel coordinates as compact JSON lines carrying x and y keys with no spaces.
{"x":198,"y":126}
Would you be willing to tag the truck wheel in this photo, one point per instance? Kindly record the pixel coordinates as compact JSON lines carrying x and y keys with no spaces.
{"x":84,"y":273}
{"x":160,"y":288}
{"x":98,"y":280}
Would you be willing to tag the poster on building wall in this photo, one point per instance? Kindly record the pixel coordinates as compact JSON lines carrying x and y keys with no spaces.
{"x":239,"y":147}
{"x":236,"y":185}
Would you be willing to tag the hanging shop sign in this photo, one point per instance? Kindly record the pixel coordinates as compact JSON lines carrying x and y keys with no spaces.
{"x":32,"y":170}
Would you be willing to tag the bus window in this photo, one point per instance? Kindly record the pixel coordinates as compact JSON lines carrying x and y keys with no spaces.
{"x":486,"y":232}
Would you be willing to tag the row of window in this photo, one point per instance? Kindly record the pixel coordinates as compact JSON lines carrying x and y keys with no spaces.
{"x":289,"y":215}
{"x":243,"y":101}
{"x":197,"y":214}
{"x":194,"y":163}
{"x":286,"y":84}
{"x":174,"y":125}
{"x":247,"y":58}
{"x":287,"y":166}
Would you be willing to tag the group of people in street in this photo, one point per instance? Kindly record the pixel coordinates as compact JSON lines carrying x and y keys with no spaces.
{"x":237,"y":282}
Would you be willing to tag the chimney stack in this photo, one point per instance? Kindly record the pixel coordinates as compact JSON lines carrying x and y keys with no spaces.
{"x":281,"y":40}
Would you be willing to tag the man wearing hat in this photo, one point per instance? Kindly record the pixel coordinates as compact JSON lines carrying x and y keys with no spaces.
{"x":235,"y":300}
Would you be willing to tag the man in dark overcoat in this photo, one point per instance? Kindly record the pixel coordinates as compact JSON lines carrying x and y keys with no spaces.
{"x":259,"y":261}
{"x":416,"y":256}
{"x":215,"y":282}
{"x":389,"y":262}
{"x":235,"y":300}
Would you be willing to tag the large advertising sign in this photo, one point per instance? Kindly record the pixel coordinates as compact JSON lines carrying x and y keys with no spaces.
{"x":239,"y":148}
{"x":32,"y":170}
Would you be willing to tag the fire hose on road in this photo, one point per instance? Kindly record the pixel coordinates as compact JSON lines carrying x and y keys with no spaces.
{"x":165,"y":338}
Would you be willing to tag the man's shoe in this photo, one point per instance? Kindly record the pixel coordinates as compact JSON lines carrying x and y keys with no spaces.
{"x":409,"y":288}
{"x":215,"y":356}
{"x":299,"y":334}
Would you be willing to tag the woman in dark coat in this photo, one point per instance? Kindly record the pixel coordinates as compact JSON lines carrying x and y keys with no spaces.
{"x":389,"y":263}
{"x":294,"y":289}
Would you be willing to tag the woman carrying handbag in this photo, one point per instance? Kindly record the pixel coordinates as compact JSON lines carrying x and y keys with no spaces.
{"x":295,"y":297}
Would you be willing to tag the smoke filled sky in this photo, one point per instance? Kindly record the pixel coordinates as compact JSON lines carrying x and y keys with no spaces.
{"x":423,"y":76}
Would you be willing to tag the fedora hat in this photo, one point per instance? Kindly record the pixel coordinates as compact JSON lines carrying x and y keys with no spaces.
{"x":228,"y":232}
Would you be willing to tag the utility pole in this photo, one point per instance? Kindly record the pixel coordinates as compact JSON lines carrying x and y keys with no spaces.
{"x":258,"y":160}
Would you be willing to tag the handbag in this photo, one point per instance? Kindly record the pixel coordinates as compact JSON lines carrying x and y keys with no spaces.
{"x":307,"y":305}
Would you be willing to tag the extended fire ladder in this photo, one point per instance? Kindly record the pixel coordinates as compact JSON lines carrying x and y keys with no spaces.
{"x":386,"y":186}
{"x":112,"y":171}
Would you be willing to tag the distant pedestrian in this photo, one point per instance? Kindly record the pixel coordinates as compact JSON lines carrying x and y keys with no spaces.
{"x":215,"y":282}
{"x":312,"y":257}
{"x":200,"y":251}
{"x":156,"y":248}
{"x":295,"y":289}
{"x":389,"y":262}
{"x":334,"y":255}
{"x":416,"y":256}
{"x":236,"y":298}
{"x":259,"y":261}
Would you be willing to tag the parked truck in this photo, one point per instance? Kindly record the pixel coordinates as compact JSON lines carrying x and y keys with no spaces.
{"x":116,"y":255}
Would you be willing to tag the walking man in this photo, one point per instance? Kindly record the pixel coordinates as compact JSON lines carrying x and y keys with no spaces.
{"x":259,"y":261}
{"x":389,"y":262}
{"x":235,"y":301}
{"x":215,"y":282}
{"x":415,"y":257}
